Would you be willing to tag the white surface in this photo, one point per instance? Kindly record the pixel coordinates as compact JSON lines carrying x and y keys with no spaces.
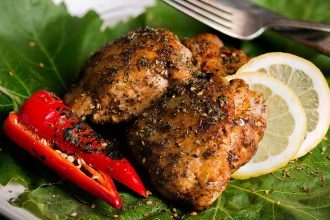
{"x":9,"y":192}
{"x":111,"y":12}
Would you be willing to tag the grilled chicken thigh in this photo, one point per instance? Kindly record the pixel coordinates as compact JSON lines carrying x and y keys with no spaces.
{"x":123,"y":78}
{"x":196,"y":136}
{"x":193,"y":128}
{"x":210,"y":55}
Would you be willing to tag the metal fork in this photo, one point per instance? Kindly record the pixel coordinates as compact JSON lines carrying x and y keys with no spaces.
{"x":243,"y":20}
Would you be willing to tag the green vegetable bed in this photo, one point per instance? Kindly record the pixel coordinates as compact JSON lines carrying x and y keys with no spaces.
{"x":43,"y":47}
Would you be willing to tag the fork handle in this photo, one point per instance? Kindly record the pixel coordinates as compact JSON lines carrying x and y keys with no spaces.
{"x":315,"y":39}
{"x":288,"y":23}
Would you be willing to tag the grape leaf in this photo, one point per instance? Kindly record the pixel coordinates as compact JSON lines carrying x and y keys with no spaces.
{"x":43,"y":47}
{"x":298,"y":191}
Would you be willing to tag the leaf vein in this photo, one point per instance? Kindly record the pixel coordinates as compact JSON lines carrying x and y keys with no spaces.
{"x":45,"y":51}
{"x":280,"y":203}
{"x":15,"y":75}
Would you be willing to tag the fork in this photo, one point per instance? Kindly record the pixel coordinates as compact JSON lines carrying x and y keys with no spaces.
{"x":243,"y":20}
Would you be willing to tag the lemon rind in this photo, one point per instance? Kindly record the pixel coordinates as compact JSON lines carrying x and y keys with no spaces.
{"x":296,"y":139}
{"x":320,"y":85}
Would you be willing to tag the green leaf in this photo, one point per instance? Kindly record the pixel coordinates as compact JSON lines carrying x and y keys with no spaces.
{"x":60,"y":201}
{"x":43,"y":47}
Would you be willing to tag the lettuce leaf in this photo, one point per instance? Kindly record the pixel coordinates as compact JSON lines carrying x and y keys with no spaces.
{"x":43,"y":47}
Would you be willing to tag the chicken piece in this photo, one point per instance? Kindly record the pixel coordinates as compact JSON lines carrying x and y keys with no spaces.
{"x":196,"y":136}
{"x":210,"y":55}
{"x":125,"y":77}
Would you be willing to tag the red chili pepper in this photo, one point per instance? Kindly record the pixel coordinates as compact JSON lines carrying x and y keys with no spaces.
{"x":47,"y":117}
{"x":103,"y":187}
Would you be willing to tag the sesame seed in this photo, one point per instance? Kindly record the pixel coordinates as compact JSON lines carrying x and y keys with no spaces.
{"x":32,"y":44}
{"x":193,"y":213}
{"x":70,"y":158}
{"x":43,"y":142}
{"x":165,"y":73}
{"x":258,"y":124}
{"x":10,"y":73}
{"x":73,"y":214}
{"x":149,"y":202}
{"x":324,"y":149}
{"x":95,"y":177}
{"x":174,"y":210}
{"x":144,"y":160}
{"x":278,"y":202}
{"x":41,"y":65}
{"x":115,"y":216}
{"x":93,"y":205}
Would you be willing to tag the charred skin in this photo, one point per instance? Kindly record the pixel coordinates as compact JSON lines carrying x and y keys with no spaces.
{"x":46,"y":115}
{"x":196,"y":136}
{"x":193,"y":128}
{"x":210,"y":55}
{"x":123,"y":78}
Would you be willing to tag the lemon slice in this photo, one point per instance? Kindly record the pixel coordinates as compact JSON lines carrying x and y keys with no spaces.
{"x":286,"y":125}
{"x":308,"y":83}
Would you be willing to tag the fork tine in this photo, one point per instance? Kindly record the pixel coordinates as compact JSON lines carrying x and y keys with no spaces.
{"x":204,"y":4}
{"x":220,"y":6}
{"x":206,"y":17}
